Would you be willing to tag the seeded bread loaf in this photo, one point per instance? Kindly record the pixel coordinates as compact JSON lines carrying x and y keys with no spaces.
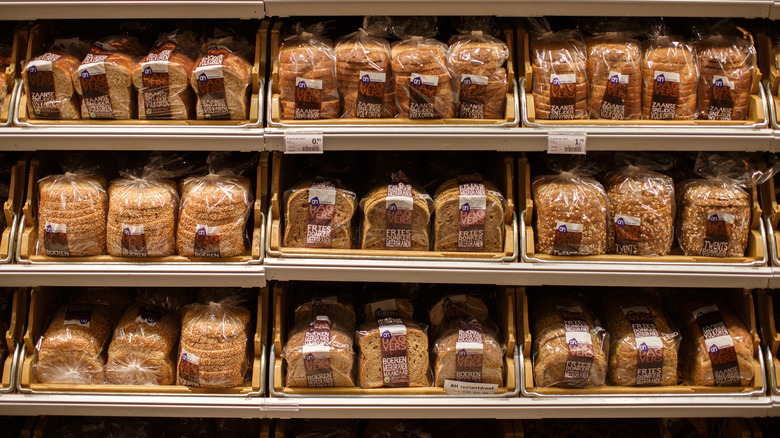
{"x":365,"y":78}
{"x":670,"y":77}
{"x":319,"y":354}
{"x":614,"y":77}
{"x":308,"y":87}
{"x":222,"y":80}
{"x":410,"y":229}
{"x":726,"y":77}
{"x":408,"y":350}
{"x":49,"y":82}
{"x":468,"y":350}
{"x":560,"y":87}
{"x":320,"y":225}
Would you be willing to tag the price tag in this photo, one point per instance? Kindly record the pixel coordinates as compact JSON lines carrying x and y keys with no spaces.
{"x":566,"y":144}
{"x":303,"y":143}
{"x":456,"y":387}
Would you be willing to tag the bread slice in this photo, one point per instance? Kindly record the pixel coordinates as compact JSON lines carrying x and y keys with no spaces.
{"x":370,"y":374}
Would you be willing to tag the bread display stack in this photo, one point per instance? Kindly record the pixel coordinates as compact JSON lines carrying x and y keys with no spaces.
{"x":726,"y":79}
{"x":72,"y":215}
{"x":49,"y":82}
{"x":468,"y":215}
{"x":222,"y":79}
{"x":72,"y":350}
{"x":318,"y":214}
{"x":422,"y":79}
{"x":480,"y":81}
{"x":560,"y":87}
{"x":142,"y":351}
{"x":162,"y":78}
{"x":308,"y":88}
{"x":670,"y":76}
{"x":614,"y":77}
{"x":104,"y":79}
{"x":365,"y":77}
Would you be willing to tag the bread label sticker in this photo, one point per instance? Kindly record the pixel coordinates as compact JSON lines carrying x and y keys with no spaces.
{"x":472,"y":96}
{"x":627,"y":234}
{"x":563,"y":96}
{"x":189,"y":364}
{"x":454,"y":306}
{"x":399,"y":207}
{"x":206,"y":241}
{"x":469,"y":349}
{"x":393,"y":343}
{"x":722,"y":99}
{"x":649,"y":346}
{"x":316,"y":354}
{"x":154,"y":74}
{"x":717,"y":234}
{"x":55,"y":239}
{"x":384,"y":308}
{"x":613,"y":105}
{"x":94,"y":89}
{"x":666,"y":93}
{"x":211,"y":92}
{"x":719,"y":345}
{"x":133,"y":241}
{"x":40,"y":82}
{"x":321,"y":304}
{"x":422,"y":96}
{"x":79,"y":314}
{"x":149,"y":315}
{"x":579,"y":344}
{"x":371,"y":95}
{"x":568,"y":237}
{"x":457,"y":387}
{"x":322,"y":207}
{"x":472,"y":202}
{"x":308,"y":98}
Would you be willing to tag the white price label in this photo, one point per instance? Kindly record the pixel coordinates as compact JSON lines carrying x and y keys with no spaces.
{"x":567,"y":144}
{"x":457,"y":387}
{"x":308,"y":143}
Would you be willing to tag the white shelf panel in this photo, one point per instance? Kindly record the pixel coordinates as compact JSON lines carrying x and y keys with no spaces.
{"x":122,"y":9}
{"x":774,"y":13}
{"x":132,"y":275}
{"x":521,"y":8}
{"x":518,"y":274}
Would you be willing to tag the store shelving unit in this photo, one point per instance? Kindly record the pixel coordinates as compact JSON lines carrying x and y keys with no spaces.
{"x":124,"y":9}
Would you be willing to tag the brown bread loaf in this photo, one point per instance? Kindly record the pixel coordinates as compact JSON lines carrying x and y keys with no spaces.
{"x":480,"y":81}
{"x":457,"y":359}
{"x":397,"y":339}
{"x":670,"y":75}
{"x":458,"y":306}
{"x":614,"y":77}
{"x":305,"y":226}
{"x":49,"y":82}
{"x":365,"y":77}
{"x":309,"y":343}
{"x":560,"y":87}
{"x":228,"y":98}
{"x":308,"y":87}
{"x":422,"y":80}
{"x":410,"y":229}
{"x":726,"y":80}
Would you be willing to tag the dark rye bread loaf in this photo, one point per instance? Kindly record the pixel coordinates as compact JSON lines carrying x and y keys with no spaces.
{"x":558,"y":57}
{"x":374,"y":207}
{"x":608,"y":54}
{"x":667,"y":55}
{"x":340,"y":350}
{"x":297,"y":210}
{"x":730,"y":58}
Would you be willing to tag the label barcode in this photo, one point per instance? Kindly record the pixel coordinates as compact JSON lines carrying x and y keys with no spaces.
{"x":572,"y":149}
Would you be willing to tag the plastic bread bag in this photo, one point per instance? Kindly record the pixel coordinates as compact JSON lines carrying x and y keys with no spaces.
{"x":72,"y":350}
{"x":684,"y":427}
{"x":400,"y":27}
{"x":423,"y":87}
{"x":319,"y":354}
{"x":236,"y":296}
{"x":213,"y":345}
{"x":162,"y":78}
{"x":451,"y":302}
{"x":396,"y":429}
{"x":396,"y":216}
{"x":381,"y":300}
{"x":717,"y":347}
{"x":334,"y":301}
{"x":469,"y":215}
{"x":670,"y":74}
{"x":560,"y":87}
{"x":321,"y":428}
{"x":365,"y":77}
{"x":393,"y":352}
{"x":614,"y":76}
{"x":476,"y":61}
{"x":72,"y":211}
{"x":308,"y":85}
{"x":469,"y":350}
{"x":213,"y":212}
{"x":572,"y":212}
{"x":569,"y":343}
{"x":170,"y":299}
{"x":104,"y":79}
{"x":318,"y":213}
{"x":142,"y":349}
{"x":49,"y":80}
{"x":642,"y":205}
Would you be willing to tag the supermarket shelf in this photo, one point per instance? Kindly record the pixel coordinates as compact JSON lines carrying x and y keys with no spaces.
{"x":123,"y":9}
{"x":522,"y":8}
{"x":520,"y":274}
{"x":133,"y":275}
{"x":774,"y":13}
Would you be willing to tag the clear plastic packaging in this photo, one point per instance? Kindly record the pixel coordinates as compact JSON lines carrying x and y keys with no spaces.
{"x":469,"y":350}
{"x":72,"y":214}
{"x":614,"y":77}
{"x":643,"y":345}
{"x":476,"y":61}
{"x":393,"y":353}
{"x":118,"y":299}
{"x":337,"y":307}
{"x":670,"y":75}
{"x":396,"y":429}
{"x":396,"y":216}
{"x":104,"y":79}
{"x":222,"y":78}
{"x":457,"y":305}
{"x":365,"y":77}
{"x":162,"y":78}
{"x":726,"y":80}
{"x":560,"y":86}
{"x":72,"y":350}
{"x":318,"y":214}
{"x":171,"y":299}
{"x":142,"y":349}
{"x":570,"y":346}
{"x":423,"y":88}
{"x":213,"y":345}
{"x":381,"y":307}
{"x":236,"y":296}
{"x":469,"y":215}
{"x":49,"y":81}
{"x":308,"y":87}
{"x":319,"y":353}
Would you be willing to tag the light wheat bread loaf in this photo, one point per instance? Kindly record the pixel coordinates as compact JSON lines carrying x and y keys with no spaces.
{"x":308,"y":87}
{"x":669,"y":55}
{"x":726,"y":80}
{"x":226,"y":99}
{"x":560,"y":76}
{"x":608,"y":55}
{"x":359,"y":56}
{"x":416,"y":98}
{"x":472,"y":58}
{"x":52,"y":95}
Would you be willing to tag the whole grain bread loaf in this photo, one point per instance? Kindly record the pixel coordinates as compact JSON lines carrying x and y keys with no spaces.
{"x":469,"y":350}
{"x":308,"y":86}
{"x":614,"y":77}
{"x":310,"y":225}
{"x":222,"y":79}
{"x":404,"y":346}
{"x":410,"y":229}
{"x":365,"y":77}
{"x":670,"y":76}
{"x":319,"y":353}
{"x":476,"y":63}
{"x":726,"y":80}
{"x":48,"y":81}
{"x":560,"y":83}
{"x":422,"y":80}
